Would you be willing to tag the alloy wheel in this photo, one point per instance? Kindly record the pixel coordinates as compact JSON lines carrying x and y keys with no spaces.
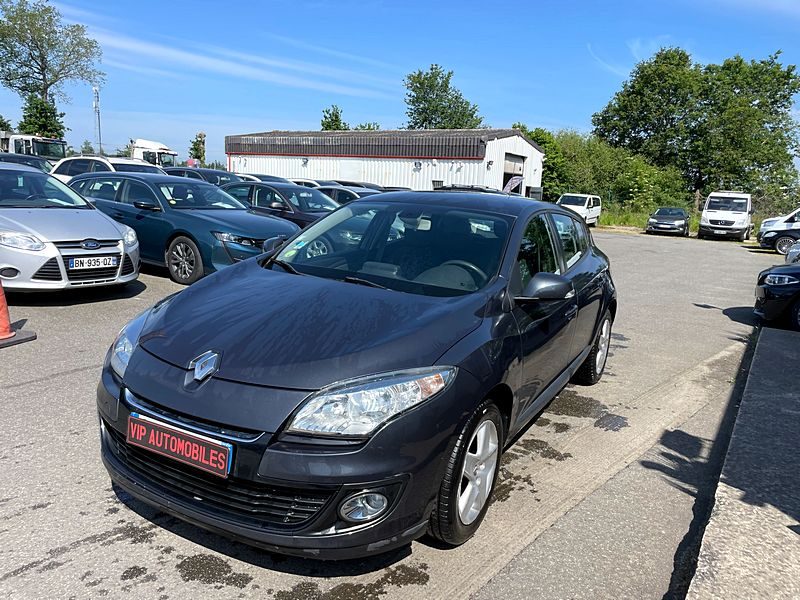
{"x":316,"y":248}
{"x":783,"y":244}
{"x":477,"y":476}
{"x":603,"y":343}
{"x":182,"y":261}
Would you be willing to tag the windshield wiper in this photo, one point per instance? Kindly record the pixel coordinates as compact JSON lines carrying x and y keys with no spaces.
{"x":285,"y":266}
{"x":367,"y":282}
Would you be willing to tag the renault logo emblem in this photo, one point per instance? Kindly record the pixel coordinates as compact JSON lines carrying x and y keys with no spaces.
{"x":205,"y":365}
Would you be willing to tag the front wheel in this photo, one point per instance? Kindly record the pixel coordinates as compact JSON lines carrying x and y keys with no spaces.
{"x":783,"y":243}
{"x":794,"y":316}
{"x":319,"y":247}
{"x":184,"y":261}
{"x":470,"y":477}
{"x":592,"y":368}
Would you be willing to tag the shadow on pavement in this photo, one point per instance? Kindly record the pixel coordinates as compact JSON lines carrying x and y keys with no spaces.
{"x":685,"y":467}
{"x":306,"y":567}
{"x":738,"y":314}
{"x":76,"y":296}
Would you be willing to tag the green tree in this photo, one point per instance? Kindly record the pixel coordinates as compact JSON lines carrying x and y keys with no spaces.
{"x":5,"y":124}
{"x":40,"y":117}
{"x":370,"y":126}
{"x":40,"y":53}
{"x":197,"y":148}
{"x":126,"y":150}
{"x":332,"y":119}
{"x":554,"y":170}
{"x":87,"y":147}
{"x":433,"y":103}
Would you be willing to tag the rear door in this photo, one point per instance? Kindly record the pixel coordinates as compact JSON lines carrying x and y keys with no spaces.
{"x":546,"y":327}
{"x":585,"y":271}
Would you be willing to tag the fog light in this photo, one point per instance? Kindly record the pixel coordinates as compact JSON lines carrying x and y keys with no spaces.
{"x":9,"y":272}
{"x":362,"y":507}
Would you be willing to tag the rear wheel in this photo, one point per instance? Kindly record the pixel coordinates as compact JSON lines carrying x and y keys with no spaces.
{"x":470,"y":477}
{"x":319,"y":247}
{"x":794,"y":316}
{"x":592,"y":368}
{"x":184,"y":261}
{"x":783,"y":243}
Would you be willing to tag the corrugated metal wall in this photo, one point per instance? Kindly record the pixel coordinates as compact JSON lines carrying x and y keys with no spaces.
{"x":416,"y":174}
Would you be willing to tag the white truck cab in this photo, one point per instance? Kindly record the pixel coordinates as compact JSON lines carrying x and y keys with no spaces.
{"x":33,"y":145}
{"x":727,"y":214}
{"x":587,"y":206}
{"x":155,"y":153}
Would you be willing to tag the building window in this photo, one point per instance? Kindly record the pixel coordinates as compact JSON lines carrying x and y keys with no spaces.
{"x":437,"y":183}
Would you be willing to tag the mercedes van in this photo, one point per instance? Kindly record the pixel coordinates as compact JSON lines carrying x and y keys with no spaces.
{"x":727,"y":214}
{"x":587,"y":206}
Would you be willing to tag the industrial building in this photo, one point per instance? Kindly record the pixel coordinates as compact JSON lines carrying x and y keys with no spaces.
{"x":418,"y":159}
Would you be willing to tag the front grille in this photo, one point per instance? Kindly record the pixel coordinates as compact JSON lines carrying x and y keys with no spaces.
{"x":76,"y":245}
{"x":723,"y":223}
{"x":241,"y":500}
{"x":127,"y":266}
{"x":49,"y":271}
{"x":106,"y":273}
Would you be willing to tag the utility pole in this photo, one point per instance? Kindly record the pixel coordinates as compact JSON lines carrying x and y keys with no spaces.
{"x":96,"y":105}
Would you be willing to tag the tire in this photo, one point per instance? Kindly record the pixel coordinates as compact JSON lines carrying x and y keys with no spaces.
{"x":593,"y":367}
{"x":700,"y":236}
{"x":319,"y":247}
{"x":794,"y":316}
{"x":455,"y":518}
{"x":686,"y":232}
{"x":747,"y":235}
{"x":783,"y":243}
{"x":184,"y":262}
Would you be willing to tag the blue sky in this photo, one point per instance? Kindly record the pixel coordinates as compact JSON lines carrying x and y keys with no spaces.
{"x":176,"y":68}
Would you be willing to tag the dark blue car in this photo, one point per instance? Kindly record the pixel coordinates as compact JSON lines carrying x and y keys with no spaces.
{"x":192,"y":227}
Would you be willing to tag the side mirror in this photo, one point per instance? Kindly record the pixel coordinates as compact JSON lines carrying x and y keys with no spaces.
{"x":146,"y":205}
{"x":273,"y":243}
{"x":277,"y":205}
{"x":547,"y":286}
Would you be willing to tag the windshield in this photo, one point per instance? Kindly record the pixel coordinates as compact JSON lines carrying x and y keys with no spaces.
{"x":309,"y":200}
{"x":670,"y":212}
{"x":198,"y":195}
{"x":166,"y":160}
{"x":727,"y":203}
{"x":426,"y":250}
{"x":134,"y":168}
{"x":27,"y":189}
{"x":572,"y":200}
{"x":49,"y":149}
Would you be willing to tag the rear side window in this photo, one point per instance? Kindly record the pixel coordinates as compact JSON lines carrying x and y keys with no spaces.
{"x":78,"y":167}
{"x":101,"y":188}
{"x":99,"y":166}
{"x":572,"y":238}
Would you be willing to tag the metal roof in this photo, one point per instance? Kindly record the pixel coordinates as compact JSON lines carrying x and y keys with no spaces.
{"x":404,"y":143}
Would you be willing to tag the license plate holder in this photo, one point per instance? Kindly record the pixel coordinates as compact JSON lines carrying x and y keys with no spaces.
{"x":720,"y":232}
{"x":78,"y":263}
{"x":198,"y":451}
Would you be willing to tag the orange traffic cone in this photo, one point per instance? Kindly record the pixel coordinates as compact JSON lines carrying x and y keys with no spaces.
{"x":9,"y":337}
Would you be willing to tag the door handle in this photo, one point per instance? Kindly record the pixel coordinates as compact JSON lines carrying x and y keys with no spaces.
{"x":571,"y":313}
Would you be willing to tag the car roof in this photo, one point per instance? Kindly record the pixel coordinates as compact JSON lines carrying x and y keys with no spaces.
{"x":200,"y":170}
{"x":154,"y":178}
{"x":14,"y":166}
{"x":498,"y":203}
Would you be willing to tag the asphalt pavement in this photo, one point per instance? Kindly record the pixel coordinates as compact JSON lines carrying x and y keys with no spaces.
{"x":683,"y":323}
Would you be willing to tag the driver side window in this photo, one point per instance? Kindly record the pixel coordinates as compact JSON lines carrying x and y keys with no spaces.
{"x":536,"y":254}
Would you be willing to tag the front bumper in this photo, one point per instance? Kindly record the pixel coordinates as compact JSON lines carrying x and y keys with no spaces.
{"x":48,"y":269}
{"x":722,"y":231}
{"x":774,"y":301}
{"x":409,"y":466}
{"x":224,"y":254}
{"x":666,"y":228}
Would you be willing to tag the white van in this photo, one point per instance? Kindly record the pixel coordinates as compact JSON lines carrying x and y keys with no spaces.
{"x":727,"y":214}
{"x":587,"y":206}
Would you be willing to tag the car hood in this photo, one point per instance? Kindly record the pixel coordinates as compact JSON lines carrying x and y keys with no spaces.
{"x":667,"y":218}
{"x":724,"y":215}
{"x":60,"y":224}
{"x":792,"y":269}
{"x":303,"y":332}
{"x":244,"y":222}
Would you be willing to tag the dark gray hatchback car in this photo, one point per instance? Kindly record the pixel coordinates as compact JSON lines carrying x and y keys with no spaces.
{"x":380,"y":411}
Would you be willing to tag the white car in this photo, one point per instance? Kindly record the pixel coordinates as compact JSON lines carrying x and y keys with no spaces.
{"x":586,"y":205}
{"x":782,"y":223}
{"x":67,"y":168}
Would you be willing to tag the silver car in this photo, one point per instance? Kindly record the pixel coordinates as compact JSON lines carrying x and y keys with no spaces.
{"x":793,"y":254}
{"x":52,"y":239}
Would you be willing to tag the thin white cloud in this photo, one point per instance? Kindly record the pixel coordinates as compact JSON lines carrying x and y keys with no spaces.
{"x":78,"y":15}
{"x":616,"y":70}
{"x":195,"y":61}
{"x":161,"y":73}
{"x":330,"y":52}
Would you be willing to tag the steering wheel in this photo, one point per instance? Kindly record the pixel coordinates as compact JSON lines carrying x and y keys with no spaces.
{"x":468,"y":266}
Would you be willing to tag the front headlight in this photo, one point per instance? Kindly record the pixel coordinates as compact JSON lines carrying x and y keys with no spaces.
{"x":359,"y":406}
{"x":681,"y":222}
{"x":770,"y":234}
{"x":772,"y":279}
{"x":125,"y":344}
{"x":652,"y":221}
{"x":129,"y":237}
{"x":233,"y":239}
{"x":21,"y":241}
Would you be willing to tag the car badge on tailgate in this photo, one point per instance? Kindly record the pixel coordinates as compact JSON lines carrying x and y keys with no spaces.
{"x":205,"y":365}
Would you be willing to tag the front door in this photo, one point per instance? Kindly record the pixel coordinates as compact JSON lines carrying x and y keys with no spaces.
{"x":151,"y":227}
{"x":546,"y":326}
